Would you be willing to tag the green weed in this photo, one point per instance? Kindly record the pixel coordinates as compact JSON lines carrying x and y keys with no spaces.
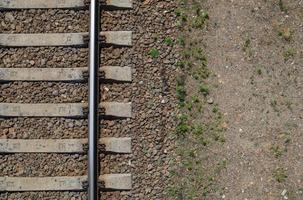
{"x":169,"y":41}
{"x":280,"y":175}
{"x":200,"y":19}
{"x":289,"y":54}
{"x":282,"y":6}
{"x":204,"y":89}
{"x":277,"y":151}
{"x":154,"y":53}
{"x":286,"y":34}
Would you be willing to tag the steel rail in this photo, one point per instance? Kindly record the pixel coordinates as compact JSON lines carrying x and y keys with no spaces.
{"x":93,"y":118}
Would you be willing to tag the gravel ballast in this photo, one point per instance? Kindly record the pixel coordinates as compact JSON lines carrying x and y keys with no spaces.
{"x":151,"y":93}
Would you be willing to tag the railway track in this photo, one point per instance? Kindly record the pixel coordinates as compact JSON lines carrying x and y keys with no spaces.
{"x":92,"y":110}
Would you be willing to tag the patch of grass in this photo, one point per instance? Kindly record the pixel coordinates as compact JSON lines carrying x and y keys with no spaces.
{"x":282,"y":6}
{"x":181,"y":92}
{"x":247,"y":47}
{"x":181,"y":64}
{"x":274,"y":105}
{"x":198,"y":129}
{"x":195,"y":99}
{"x":247,"y":44}
{"x":259,"y":70}
{"x":181,"y":41}
{"x":221,"y":165}
{"x":174,"y":191}
{"x":204,"y":89}
{"x":277,"y":151}
{"x":289,"y":54}
{"x":189,"y":106}
{"x":215,"y":109}
{"x":182,"y":16}
{"x":288,"y":104}
{"x":169,"y":41}
{"x":280,"y":175}
{"x":286,"y":137}
{"x":200,"y":18}
{"x":183,"y":126}
{"x":154,"y":53}
{"x":286,"y":34}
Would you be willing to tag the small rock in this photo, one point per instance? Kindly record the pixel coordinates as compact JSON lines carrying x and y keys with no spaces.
{"x":210,"y":100}
{"x":56,"y":93}
{"x":32,"y":62}
{"x":5,"y":131}
{"x":9,"y":17}
{"x":284,"y":192}
{"x":71,"y":125}
{"x":106,"y":89}
{"x":3,"y":137}
{"x":4,"y":86}
{"x":18,"y":28}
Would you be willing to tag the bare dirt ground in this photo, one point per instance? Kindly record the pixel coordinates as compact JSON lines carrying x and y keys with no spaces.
{"x":260,"y":66}
{"x":253,"y":49}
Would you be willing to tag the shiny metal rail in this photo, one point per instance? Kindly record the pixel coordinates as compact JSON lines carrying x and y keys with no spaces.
{"x":93,"y":117}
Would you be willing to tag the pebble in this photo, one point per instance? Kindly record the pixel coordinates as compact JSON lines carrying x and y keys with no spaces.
{"x":284,"y":192}
{"x":55,"y":93}
{"x":210,"y":100}
{"x":9,"y":17}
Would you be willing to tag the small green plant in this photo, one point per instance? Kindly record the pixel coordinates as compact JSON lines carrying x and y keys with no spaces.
{"x":286,"y":34}
{"x":181,"y":64}
{"x":183,"y":126}
{"x":259,"y":70}
{"x":289,"y":54}
{"x":247,"y":44}
{"x":169,"y":41}
{"x":274,"y":105}
{"x":282,"y":6}
{"x":198,"y":129}
{"x":277,"y":151}
{"x":189,"y":106}
{"x":174,"y":191}
{"x":178,"y":12}
{"x":154,"y":53}
{"x":215,"y":109}
{"x":195,"y":99}
{"x":288,"y":104}
{"x":200,"y":19}
{"x":181,"y":41}
{"x":204,"y":89}
{"x":198,"y":54}
{"x":287,"y":138}
{"x":180,"y":90}
{"x":182,"y":129}
{"x":280,"y":175}
{"x":221,"y":166}
{"x":181,"y":94}
{"x":247,"y":47}
{"x":187,"y":54}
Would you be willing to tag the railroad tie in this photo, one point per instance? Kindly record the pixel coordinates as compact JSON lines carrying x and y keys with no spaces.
{"x":65,"y":183}
{"x":69,"y":110}
{"x":63,"y":4}
{"x":118,"y":38}
{"x":113,"y":73}
{"x":66,"y":146}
